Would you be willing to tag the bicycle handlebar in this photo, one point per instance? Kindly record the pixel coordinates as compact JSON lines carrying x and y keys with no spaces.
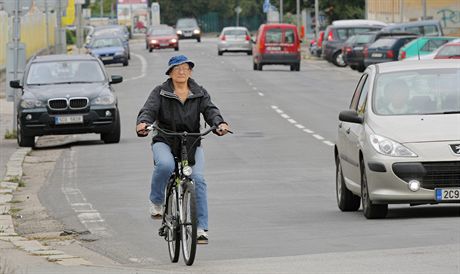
{"x":172,"y":133}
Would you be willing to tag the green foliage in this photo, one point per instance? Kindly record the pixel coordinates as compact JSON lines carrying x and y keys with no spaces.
{"x":10,"y":134}
{"x":71,"y":37}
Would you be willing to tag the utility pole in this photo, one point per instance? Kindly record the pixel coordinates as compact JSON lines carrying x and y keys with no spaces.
{"x":316,"y":20}
{"x":281,"y":11}
{"x":424,"y":9}
{"x":298,"y":16}
{"x":401,"y":11}
{"x":102,"y":8}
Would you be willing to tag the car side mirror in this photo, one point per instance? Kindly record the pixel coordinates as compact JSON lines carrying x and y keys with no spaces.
{"x":15,"y":84}
{"x":115,"y":79}
{"x":350,"y":116}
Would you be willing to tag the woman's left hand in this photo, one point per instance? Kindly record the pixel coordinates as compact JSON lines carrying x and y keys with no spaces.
{"x":222,"y":129}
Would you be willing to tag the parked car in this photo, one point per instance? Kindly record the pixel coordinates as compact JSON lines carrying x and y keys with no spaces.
{"x":339,"y":31}
{"x":422,"y":46}
{"x":399,"y":141}
{"x":109,"y":49}
{"x":316,"y":46}
{"x":421,"y":28}
{"x":354,"y":55}
{"x":188,"y":28}
{"x":276,"y":44}
{"x":234,"y":39}
{"x":449,"y":51}
{"x":162,"y":38}
{"x":385,"y":49}
{"x":66,"y":94}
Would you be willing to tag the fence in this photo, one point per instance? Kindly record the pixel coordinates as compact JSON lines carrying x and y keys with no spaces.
{"x":211,"y":22}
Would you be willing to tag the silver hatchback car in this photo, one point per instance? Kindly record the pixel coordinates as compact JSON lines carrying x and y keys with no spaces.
{"x":234,"y":39}
{"x":399,"y":141}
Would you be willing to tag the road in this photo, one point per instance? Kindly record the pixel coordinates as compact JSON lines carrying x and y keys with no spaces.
{"x":271,"y":185}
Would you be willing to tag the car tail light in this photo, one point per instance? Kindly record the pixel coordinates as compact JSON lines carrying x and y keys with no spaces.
{"x":402,"y":55}
{"x":366,"y":52}
{"x":320,"y":39}
{"x":390,"y":54}
{"x":330,"y":36}
{"x":248,"y":38}
{"x":222,"y":37}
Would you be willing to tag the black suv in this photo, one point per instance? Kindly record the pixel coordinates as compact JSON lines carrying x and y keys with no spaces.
{"x":66,"y":94}
{"x":339,"y":31}
{"x":187,"y":28}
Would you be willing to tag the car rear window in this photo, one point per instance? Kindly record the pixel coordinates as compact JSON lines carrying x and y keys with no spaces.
{"x":383,"y":43}
{"x":274,"y":35}
{"x":364,"y":38}
{"x":450,"y":50}
{"x":235,"y":32}
{"x":431,"y":45}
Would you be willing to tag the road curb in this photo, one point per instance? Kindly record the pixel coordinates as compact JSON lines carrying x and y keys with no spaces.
{"x":9,"y":184}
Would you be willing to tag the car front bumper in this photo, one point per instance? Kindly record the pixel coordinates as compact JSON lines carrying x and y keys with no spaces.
{"x":38,"y":122}
{"x":388,"y":177}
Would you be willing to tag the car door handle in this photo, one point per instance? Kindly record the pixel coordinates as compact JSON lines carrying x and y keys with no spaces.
{"x":348,"y":131}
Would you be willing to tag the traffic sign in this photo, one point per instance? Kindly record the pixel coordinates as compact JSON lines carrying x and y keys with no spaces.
{"x":266,"y":6}
{"x":238,"y":9}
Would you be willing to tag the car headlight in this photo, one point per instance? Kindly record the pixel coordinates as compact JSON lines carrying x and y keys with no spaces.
{"x":197,"y":31}
{"x":179,"y":32}
{"x":104,"y":100}
{"x":118,"y":53}
{"x":31,"y":103}
{"x":389,"y":147}
{"x":173,"y":40}
{"x":153,"y":41}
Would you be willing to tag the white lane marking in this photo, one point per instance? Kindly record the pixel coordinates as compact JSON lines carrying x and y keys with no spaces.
{"x":254,"y":88}
{"x":87,"y":215}
{"x":319,"y":137}
{"x":260,"y":93}
{"x":301,"y":127}
{"x":285,"y":116}
{"x":143,"y":68}
{"x":329,"y":143}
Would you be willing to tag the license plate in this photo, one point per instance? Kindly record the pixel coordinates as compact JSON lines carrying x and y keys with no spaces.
{"x":447,"y":194}
{"x":358,"y":48}
{"x":376,"y":54}
{"x":187,"y":34}
{"x":164,"y":45}
{"x":274,"y":48}
{"x":105,"y":58}
{"x":76,"y":119}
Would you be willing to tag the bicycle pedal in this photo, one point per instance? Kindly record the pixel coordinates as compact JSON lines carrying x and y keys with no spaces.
{"x":161,"y":232}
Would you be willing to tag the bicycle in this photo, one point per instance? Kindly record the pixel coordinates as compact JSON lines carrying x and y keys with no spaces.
{"x":179,"y":222}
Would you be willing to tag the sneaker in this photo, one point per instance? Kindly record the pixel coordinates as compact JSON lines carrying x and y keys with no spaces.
{"x":202,"y":237}
{"x":156,"y":211}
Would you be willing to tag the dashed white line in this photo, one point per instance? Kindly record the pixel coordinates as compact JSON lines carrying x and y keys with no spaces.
{"x":302,"y":127}
{"x":143,"y":68}
{"x":261,"y":94}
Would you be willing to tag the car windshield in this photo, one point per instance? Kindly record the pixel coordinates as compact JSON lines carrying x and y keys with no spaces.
{"x":107,"y":42}
{"x":77,"y":71}
{"x":417,"y":92}
{"x":364,"y":38}
{"x":187,"y":23}
{"x":163,"y":31}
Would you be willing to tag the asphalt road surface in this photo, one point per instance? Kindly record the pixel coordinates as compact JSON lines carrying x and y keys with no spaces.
{"x":271,"y":185}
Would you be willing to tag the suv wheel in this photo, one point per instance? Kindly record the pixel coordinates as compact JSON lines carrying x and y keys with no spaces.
{"x":370,"y":210}
{"x":346,"y":200}
{"x":198,"y":39}
{"x":114,"y":135}
{"x":337,"y":59}
{"x":24,"y":141}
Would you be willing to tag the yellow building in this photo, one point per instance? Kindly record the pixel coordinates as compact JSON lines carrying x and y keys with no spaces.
{"x":395,"y":11}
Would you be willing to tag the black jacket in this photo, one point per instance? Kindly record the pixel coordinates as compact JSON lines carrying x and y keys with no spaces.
{"x":162,"y":106}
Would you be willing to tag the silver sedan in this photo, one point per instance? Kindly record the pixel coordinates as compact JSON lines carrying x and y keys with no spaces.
{"x":234,"y":39}
{"x":399,"y":141}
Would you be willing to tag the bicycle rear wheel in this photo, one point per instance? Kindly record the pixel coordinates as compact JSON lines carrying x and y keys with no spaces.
{"x":172,"y":236}
{"x":189,"y":223}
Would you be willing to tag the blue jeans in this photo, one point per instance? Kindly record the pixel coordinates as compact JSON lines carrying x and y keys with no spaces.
{"x":163,"y":168}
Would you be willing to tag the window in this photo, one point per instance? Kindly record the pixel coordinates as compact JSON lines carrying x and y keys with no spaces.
{"x":356,"y":97}
{"x":362,"y":98}
{"x":273,"y":36}
{"x":431,"y":45}
{"x":416,"y":30}
{"x":430,"y":30}
{"x":289,"y":36}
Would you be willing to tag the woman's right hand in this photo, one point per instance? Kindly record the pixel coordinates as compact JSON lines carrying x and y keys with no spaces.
{"x":141,"y":130}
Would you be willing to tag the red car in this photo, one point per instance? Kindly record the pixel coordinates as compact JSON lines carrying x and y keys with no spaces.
{"x":161,"y":38}
{"x":449,"y":51}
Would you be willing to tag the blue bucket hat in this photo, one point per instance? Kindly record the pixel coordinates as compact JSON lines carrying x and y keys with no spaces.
{"x":177,"y":60}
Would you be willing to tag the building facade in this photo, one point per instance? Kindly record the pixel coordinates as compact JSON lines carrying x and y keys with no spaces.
{"x":395,"y":11}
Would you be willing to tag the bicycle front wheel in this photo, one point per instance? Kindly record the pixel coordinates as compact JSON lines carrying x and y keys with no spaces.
{"x":189,"y":223}
{"x":172,"y":236}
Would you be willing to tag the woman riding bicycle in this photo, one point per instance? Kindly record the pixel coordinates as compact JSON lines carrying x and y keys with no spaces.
{"x":176,"y":105}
